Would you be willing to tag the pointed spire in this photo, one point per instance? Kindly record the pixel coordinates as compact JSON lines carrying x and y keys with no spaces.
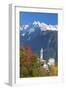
{"x":41,"y":54}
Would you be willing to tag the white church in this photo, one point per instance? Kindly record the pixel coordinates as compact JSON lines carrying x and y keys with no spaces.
{"x":46,"y":64}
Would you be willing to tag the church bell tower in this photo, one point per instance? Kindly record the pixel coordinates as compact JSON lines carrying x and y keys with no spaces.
{"x":41,"y":54}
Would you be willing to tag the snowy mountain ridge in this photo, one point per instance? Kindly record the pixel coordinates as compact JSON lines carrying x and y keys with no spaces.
{"x":43,"y":26}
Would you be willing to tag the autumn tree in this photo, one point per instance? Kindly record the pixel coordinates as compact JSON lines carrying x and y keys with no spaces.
{"x":29,"y":63}
{"x":53,"y":70}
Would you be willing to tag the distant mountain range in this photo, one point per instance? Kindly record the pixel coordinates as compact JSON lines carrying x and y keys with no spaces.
{"x":40,"y":35}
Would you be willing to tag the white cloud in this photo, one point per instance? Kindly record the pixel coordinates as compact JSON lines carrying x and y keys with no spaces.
{"x":26,"y":26}
{"x":23,"y":34}
{"x":31,"y":30}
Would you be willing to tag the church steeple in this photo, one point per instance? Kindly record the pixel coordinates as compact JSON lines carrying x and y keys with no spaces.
{"x":41,"y":54}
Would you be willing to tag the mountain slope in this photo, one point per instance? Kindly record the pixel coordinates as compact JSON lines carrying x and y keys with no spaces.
{"x":40,"y":35}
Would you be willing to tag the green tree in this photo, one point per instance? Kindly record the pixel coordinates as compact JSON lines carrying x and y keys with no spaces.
{"x":24,"y":71}
{"x":35,"y":66}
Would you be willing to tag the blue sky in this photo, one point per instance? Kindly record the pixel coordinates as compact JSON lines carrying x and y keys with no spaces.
{"x":30,"y":17}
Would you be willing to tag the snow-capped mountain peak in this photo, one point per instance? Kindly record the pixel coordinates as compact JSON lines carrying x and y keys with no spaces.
{"x":37,"y":26}
{"x":44,"y":26}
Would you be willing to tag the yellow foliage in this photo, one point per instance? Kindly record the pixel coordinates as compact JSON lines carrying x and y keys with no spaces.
{"x":53,"y":70}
